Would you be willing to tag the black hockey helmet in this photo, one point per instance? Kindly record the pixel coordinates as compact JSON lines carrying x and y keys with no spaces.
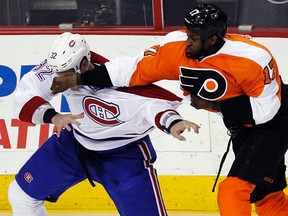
{"x":206,"y":20}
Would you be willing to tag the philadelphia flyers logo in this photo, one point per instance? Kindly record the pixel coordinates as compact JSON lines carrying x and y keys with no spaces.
{"x":101,"y":112}
{"x":208,"y":84}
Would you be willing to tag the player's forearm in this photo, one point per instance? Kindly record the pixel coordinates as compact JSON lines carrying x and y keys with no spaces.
{"x":48,"y":115}
{"x":43,"y":114}
{"x":98,"y":77}
{"x":168,"y":119}
{"x":237,"y":111}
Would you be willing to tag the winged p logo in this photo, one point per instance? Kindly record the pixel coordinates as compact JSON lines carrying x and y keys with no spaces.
{"x":208,"y":84}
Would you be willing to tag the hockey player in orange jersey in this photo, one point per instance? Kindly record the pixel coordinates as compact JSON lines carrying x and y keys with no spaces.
{"x":225,"y":73}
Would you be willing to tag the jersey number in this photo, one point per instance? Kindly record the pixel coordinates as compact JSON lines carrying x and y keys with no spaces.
{"x":42,"y":70}
{"x":269,"y":73}
{"x":151,"y":51}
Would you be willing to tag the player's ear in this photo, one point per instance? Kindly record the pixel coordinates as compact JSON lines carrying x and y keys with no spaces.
{"x":213,"y":39}
{"x":84,"y":65}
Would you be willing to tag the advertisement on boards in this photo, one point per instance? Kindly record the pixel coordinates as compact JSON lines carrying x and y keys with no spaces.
{"x":18,"y":140}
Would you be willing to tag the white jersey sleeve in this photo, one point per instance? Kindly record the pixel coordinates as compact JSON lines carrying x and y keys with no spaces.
{"x":32,"y":94}
{"x":121,"y":69}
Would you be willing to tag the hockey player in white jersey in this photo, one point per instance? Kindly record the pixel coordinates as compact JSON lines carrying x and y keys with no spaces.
{"x":104,"y":139}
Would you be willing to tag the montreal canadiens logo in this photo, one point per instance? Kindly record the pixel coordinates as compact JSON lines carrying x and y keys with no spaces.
{"x":101,"y":112}
{"x":72,"y":43}
{"x":28,"y":177}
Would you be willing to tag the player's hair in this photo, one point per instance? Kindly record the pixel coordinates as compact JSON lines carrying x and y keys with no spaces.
{"x":67,"y":52}
{"x":206,"y":20}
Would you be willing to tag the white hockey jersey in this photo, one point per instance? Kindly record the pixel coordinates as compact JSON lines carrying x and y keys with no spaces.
{"x":113,"y":117}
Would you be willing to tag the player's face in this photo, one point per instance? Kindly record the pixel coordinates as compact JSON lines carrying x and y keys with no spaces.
{"x":66,"y":73}
{"x":197,"y":48}
{"x":193,"y":45}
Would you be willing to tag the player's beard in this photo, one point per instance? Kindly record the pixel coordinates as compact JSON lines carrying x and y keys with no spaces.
{"x":202,"y":53}
{"x":194,"y":55}
{"x":198,"y":53}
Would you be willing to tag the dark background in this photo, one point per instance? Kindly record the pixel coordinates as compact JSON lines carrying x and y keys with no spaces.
{"x":261,"y":13}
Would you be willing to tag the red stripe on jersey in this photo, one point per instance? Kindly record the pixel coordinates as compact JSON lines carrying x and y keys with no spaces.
{"x":151,"y":91}
{"x":146,"y":153}
{"x":95,"y":57}
{"x":29,"y":108}
{"x":158,"y":117}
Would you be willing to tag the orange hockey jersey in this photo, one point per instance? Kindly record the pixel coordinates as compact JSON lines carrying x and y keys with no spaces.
{"x":242,"y":67}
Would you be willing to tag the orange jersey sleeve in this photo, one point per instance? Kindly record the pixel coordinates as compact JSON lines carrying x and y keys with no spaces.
{"x":156,"y":63}
{"x":241,"y":67}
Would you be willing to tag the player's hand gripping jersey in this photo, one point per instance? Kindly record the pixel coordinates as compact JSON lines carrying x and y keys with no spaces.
{"x":110,"y":121}
{"x":218,"y":77}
